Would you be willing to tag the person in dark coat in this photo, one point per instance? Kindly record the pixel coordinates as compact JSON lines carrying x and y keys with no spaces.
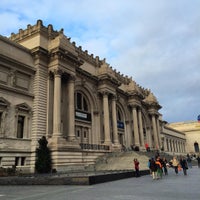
{"x":165,"y":165}
{"x":184,"y":165}
{"x":198,"y":161}
{"x":153,"y":168}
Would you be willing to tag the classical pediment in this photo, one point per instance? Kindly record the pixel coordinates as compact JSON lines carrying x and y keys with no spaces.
{"x":23,"y":107}
{"x":4,"y":102}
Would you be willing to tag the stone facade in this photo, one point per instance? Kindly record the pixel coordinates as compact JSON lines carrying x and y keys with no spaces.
{"x":172,"y":140}
{"x":192,"y":133}
{"x":50,"y":87}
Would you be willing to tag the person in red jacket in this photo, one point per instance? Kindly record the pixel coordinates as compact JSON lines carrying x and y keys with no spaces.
{"x":137,"y":169}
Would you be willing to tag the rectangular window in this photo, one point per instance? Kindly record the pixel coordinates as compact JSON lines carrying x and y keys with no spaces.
{"x":23,"y":159}
{"x":85,"y":134}
{"x":78,"y":133}
{"x":20,"y":126}
{"x":0,"y":120}
{"x":78,"y":100}
{"x":16,"y":161}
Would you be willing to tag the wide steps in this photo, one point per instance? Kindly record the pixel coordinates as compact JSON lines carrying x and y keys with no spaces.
{"x":121,"y":161}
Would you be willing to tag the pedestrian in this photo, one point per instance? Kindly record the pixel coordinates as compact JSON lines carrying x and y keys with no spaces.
{"x":148,"y":165}
{"x":184,"y":165}
{"x":159,"y":167}
{"x":175,"y":164}
{"x":153,"y":168}
{"x":165,"y":166}
{"x":147,"y":147}
{"x":189,"y":161}
{"x":137,"y":169}
{"x":198,"y":161}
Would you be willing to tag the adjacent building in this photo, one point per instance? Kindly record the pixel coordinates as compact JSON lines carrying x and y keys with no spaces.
{"x":192,"y":133}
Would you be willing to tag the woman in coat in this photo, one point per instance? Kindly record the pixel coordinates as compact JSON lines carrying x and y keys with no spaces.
{"x":184,"y":165}
{"x":136,"y":164}
{"x":153,"y":168}
{"x":175,"y":164}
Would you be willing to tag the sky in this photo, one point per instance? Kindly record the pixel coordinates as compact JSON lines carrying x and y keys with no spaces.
{"x":156,"y":42}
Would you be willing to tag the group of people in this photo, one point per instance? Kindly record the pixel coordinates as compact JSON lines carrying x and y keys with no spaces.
{"x":159,"y":166}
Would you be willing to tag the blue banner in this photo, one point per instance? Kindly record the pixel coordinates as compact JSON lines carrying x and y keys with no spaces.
{"x":120,"y":124}
{"x":198,"y":118}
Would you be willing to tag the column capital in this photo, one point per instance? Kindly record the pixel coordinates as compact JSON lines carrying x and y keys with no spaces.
{"x":133,"y":106}
{"x":57,"y":72}
{"x":105,"y":93}
{"x":114,"y":97}
{"x":72,"y":78}
{"x":50,"y":75}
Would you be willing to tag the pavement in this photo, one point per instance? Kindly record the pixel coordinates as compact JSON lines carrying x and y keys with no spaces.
{"x":170,"y":187}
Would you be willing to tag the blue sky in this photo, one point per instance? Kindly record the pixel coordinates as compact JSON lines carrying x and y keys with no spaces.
{"x":157,"y":42}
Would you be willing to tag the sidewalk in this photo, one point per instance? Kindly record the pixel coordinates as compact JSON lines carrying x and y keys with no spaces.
{"x":171,"y":187}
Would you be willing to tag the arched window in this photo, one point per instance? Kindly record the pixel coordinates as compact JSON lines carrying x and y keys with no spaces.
{"x":82,"y":110}
{"x":81,"y":102}
{"x":120,"y":122}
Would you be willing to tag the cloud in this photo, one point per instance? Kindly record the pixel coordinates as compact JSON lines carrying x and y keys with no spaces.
{"x":155,"y":42}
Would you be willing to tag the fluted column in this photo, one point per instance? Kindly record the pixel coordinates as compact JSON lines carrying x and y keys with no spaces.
{"x":135,"y":126}
{"x":57,"y":104}
{"x":114,"y":120}
{"x":158,"y":131}
{"x":173,"y":150}
{"x":107,"y":139}
{"x":155,"y":132}
{"x":141,"y":127}
{"x":165,"y":144}
{"x":71,"y":130}
{"x":50,"y":87}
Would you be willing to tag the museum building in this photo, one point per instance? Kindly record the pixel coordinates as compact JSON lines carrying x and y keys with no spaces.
{"x":85,"y":108}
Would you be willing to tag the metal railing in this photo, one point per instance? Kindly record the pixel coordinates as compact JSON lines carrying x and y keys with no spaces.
{"x":86,"y":146}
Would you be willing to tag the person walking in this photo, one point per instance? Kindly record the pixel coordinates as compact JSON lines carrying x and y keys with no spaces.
{"x":189,"y":161}
{"x":137,"y":169}
{"x":184,"y":165}
{"x":175,"y":164}
{"x":159,"y":168}
{"x":153,"y":168}
{"x":165,"y":165}
{"x":198,"y":161}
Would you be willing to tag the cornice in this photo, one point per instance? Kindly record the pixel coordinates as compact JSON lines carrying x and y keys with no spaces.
{"x":82,"y":73}
{"x":10,"y":62}
{"x":15,"y":90}
{"x":40,"y":53}
{"x":106,"y":79}
{"x":61,"y":54}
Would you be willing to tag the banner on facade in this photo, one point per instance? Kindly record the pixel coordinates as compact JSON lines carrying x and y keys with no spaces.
{"x":198,"y":118}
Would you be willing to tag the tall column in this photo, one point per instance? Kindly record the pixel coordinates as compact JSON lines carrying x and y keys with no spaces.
{"x":57,"y":104}
{"x":107,"y":139}
{"x":155,"y":132}
{"x":71,"y":130}
{"x":135,"y":126}
{"x":165,"y":144}
{"x":158,"y":131}
{"x":141,"y":127}
{"x":114,"y":120}
{"x":50,"y":86}
{"x":173,"y":150}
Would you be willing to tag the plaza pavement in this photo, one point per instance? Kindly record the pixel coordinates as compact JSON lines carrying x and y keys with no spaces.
{"x":171,"y":187}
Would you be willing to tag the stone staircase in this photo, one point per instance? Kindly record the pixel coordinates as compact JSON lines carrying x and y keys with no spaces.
{"x":124,"y":161}
{"x":120,"y":161}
